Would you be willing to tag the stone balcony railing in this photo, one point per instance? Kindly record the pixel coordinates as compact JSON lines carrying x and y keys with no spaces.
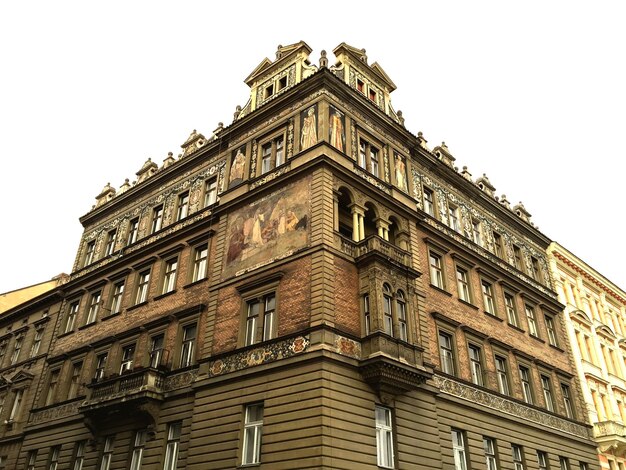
{"x":136,"y":383}
{"x":375,"y":245}
{"x":610,"y":435}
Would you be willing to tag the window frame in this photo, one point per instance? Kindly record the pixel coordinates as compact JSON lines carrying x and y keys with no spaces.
{"x":542,"y":460}
{"x":74,"y":382}
{"x":172,"y":446}
{"x":526,"y":383}
{"x":142,"y":286}
{"x":93,"y":308}
{"x":199,"y":265}
{"x":429,"y":203}
{"x":127,"y":357}
{"x":170,"y":275}
{"x":437,"y":270}
{"x":117,"y":296}
{"x":52,"y":384}
{"x":463,"y":284}
{"x":384,"y":437}
{"x":107,"y":452}
{"x":517,"y":453}
{"x":367,"y":318}
{"x":447,"y":352}
{"x":549,"y":321}
{"x":388,"y":322}
{"x":109,"y":247}
{"x":210,"y":192}
{"x":182,"y":206}
{"x":100,"y":366}
{"x":511,"y":309}
{"x":156,"y":221}
{"x":53,"y":457}
{"x":487,"y":289}
{"x":454,"y":217}
{"x":37,"y":339}
{"x":156,"y":355}
{"x":256,"y":427}
{"x":133,"y":231}
{"x":137,"y":450}
{"x":459,"y":449}
{"x":476,"y":363}
{"x":90,"y":253}
{"x":491,"y":453}
{"x":255,"y":326}
{"x":531,"y":320}
{"x":548,"y":392}
{"x":502,"y":375}
{"x":188,"y":345}
{"x":272,"y":158}
{"x":367,"y":147}
{"x":568,"y":403}
{"x":79,"y":455}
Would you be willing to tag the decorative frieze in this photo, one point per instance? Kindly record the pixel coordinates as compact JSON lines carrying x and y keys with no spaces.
{"x":510,"y":407}
{"x":366,"y":176}
{"x":262,"y":355}
{"x":56,"y":412}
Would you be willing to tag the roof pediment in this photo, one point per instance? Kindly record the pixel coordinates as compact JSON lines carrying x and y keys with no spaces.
{"x":359,"y":56}
{"x":283,"y":54}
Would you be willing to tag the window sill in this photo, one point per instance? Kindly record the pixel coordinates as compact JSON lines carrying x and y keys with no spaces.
{"x":87,"y":325}
{"x":537,"y":338}
{"x":158,"y":297}
{"x":199,"y":281}
{"x":67,"y":333}
{"x":516,"y":328}
{"x":557,"y":347}
{"x":469,"y":304}
{"x":494,"y":316}
{"x":116,"y":314}
{"x":140,"y":304}
{"x":443,"y":291}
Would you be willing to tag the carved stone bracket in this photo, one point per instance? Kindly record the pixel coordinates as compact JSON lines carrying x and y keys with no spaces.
{"x":391,"y":378}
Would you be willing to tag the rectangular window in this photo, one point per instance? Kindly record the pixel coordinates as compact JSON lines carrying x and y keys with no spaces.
{"x":3,"y":349}
{"x":429,"y":202}
{"x":551,"y":330}
{"x":171,"y":449}
{"x":462,"y":283}
{"x":584,"y":466}
{"x":34,"y":349}
{"x":453,"y":217}
{"x":200,"y":256}
{"x":169,"y":278}
{"x":518,"y":457}
{"x":157,"y":219}
{"x":138,"y":446}
{"x":476,"y":364}
{"x":446,"y":353}
{"x":79,"y":455}
{"x":101,"y":362}
{"x":401,"y":313}
{"x":489,"y":446}
{"x":17,"y":348}
{"x":476,"y":233}
{"x":488,"y":300}
{"x":517,"y":257}
{"x":17,"y":405}
{"x":511,"y":310}
{"x":74,"y":387}
{"x":524,"y":375}
{"x":31,"y":460}
{"x":210,"y":192}
{"x":133,"y":230}
{"x":536,"y":272}
{"x":116,"y":299}
{"x":384,"y":437}
{"x":502,"y":375}
{"x":532,"y":322}
{"x":564,"y":463}
{"x":387,"y":314}
{"x":110,"y":245}
{"x":272,"y":154}
{"x":369,"y":157}
{"x":436,"y":270}
{"x":363,"y":154}
{"x":366,"y":313}
{"x":183,"y":206}
{"x":374,"y":161}
{"x":458,"y":448}
{"x":497,"y":244}
{"x":542,"y":460}
{"x":89,"y":252}
{"x":53,"y":458}
{"x":143,"y":281}
{"x":252,"y":432}
{"x":260,"y":319}
{"x":52,"y":386}
{"x":156,"y":350}
{"x":567,"y":401}
{"x":546,"y":386}
{"x":94,"y":307}
{"x":187,"y":351}
{"x":107,"y":453}
{"x":128,"y":354}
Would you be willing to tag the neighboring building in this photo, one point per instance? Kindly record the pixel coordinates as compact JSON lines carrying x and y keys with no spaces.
{"x":595,"y":315}
{"x":309,"y":287}
{"x":16,"y":297}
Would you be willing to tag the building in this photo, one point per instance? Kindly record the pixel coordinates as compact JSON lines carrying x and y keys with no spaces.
{"x":311,"y":286}
{"x":16,"y":297}
{"x":594,"y":314}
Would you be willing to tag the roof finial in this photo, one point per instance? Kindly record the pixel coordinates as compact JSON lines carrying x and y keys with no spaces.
{"x":323,"y":59}
{"x":279,"y":53}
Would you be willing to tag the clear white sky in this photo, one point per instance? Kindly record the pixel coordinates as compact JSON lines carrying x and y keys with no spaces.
{"x":532,"y":93}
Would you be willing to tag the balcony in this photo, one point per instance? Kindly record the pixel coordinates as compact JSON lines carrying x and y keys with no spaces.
{"x":610,"y":435}
{"x":375,"y":247}
{"x":137,"y":393}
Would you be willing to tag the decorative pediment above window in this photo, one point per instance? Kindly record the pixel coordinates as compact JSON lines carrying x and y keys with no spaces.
{"x":606,"y":332}
{"x":580,"y":316}
{"x":21,"y":376}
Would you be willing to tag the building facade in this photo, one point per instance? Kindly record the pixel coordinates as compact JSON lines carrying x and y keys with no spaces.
{"x":311,"y":286}
{"x":595,"y":312}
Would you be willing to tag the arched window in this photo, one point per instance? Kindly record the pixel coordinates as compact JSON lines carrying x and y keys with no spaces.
{"x":387,"y":310}
{"x":401,"y":313}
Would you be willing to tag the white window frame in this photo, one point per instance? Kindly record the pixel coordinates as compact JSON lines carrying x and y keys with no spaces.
{"x":458,"y":449}
{"x":252,"y":435}
{"x":200,"y":262}
{"x":170,"y":268}
{"x":384,"y":437}
{"x":138,"y":446}
{"x":174,"y":430}
{"x":517,"y":453}
{"x":446,"y":352}
{"x":476,"y":366}
{"x":107,"y":453}
{"x":188,"y":344}
{"x":489,"y":447}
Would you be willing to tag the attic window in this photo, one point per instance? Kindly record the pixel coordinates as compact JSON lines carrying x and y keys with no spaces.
{"x":372,"y":95}
{"x":282,"y":83}
{"x":360,"y":86}
{"x":269,"y":91}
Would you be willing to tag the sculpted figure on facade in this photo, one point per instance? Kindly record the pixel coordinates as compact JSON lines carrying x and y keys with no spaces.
{"x":400,"y":168}
{"x":237,"y":167}
{"x":308,"y":134}
{"x":336,"y":126}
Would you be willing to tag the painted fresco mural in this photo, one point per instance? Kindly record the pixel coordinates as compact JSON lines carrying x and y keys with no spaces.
{"x":336,"y":129}
{"x":269,"y":228}
{"x":237,"y":166}
{"x":308,"y":124}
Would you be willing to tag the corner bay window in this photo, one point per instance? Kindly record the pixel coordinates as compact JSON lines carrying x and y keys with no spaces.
{"x":384,"y":437}
{"x":260,"y":319}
